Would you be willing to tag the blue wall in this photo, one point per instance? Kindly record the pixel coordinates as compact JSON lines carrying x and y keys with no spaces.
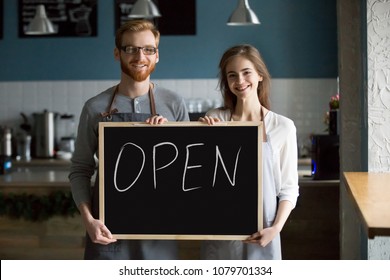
{"x":297,"y":38}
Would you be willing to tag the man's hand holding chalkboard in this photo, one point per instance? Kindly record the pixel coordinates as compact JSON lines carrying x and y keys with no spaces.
{"x":97,"y":231}
{"x":156,"y":119}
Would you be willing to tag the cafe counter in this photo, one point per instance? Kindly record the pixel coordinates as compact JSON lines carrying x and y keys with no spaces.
{"x":37,"y":219}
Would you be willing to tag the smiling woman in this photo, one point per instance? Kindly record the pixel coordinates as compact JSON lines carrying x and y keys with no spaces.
{"x":244,"y":83}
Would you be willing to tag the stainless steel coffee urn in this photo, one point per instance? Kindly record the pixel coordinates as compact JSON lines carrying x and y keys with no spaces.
{"x":5,"y":140}
{"x":5,"y":150}
{"x":44,"y":134}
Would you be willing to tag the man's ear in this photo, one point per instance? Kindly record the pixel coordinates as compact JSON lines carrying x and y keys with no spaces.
{"x":117,"y":54}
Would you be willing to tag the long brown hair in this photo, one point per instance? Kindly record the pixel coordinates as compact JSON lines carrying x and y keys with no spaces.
{"x":252,"y":54}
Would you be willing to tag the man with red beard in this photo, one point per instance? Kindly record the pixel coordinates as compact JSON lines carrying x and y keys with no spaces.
{"x":135,"y":98}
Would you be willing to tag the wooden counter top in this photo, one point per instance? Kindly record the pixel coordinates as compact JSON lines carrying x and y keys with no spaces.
{"x":370,"y":193}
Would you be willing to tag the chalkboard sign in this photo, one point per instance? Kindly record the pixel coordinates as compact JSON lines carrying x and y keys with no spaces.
{"x":69,"y":18}
{"x":178,"y":17}
{"x":182,"y":180}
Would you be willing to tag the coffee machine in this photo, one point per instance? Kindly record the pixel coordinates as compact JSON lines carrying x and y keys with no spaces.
{"x":65,"y":136}
{"x":325,"y":157}
{"x":44,"y":134}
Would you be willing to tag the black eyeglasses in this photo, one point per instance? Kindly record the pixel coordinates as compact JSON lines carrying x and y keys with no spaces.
{"x":135,"y":50}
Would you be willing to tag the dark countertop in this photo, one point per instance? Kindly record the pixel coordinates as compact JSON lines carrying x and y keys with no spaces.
{"x":42,"y":162}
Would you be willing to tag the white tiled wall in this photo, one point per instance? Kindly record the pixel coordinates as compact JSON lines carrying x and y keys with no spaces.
{"x":303,"y":100}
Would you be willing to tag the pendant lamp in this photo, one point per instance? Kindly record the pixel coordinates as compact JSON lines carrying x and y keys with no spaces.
{"x":243,"y":15}
{"x":144,"y":9}
{"x":40,"y":24}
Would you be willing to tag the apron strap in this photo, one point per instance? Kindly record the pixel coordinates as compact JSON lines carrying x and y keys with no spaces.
{"x":152,"y":103}
{"x":262,"y":119}
{"x":111,"y":110}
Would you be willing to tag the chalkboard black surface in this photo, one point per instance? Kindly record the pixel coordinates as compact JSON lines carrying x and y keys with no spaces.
{"x":178,"y":17}
{"x":69,"y":18}
{"x":182,"y":180}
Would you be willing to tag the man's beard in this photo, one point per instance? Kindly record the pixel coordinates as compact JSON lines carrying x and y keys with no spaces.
{"x":137,"y":76}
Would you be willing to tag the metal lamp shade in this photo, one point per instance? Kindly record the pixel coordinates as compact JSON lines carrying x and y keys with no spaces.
{"x":144,"y":9}
{"x":40,"y":24}
{"x":243,"y":15}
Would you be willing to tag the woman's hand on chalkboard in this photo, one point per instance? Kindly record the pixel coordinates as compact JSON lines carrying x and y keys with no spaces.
{"x":156,"y":119}
{"x":209,"y":120}
{"x":263,"y":237}
{"x":99,"y":233}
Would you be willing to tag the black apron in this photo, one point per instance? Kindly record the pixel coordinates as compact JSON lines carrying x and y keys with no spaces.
{"x":127,"y":249}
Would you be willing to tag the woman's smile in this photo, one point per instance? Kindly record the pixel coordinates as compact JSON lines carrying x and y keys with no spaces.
{"x":242,"y":88}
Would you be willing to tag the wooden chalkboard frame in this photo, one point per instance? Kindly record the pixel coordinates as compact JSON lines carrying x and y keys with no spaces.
{"x":121,"y":128}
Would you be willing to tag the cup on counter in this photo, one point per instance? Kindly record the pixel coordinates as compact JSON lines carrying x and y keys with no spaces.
{"x":67,"y":144}
{"x":66,"y":148}
{"x":23,"y":147}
